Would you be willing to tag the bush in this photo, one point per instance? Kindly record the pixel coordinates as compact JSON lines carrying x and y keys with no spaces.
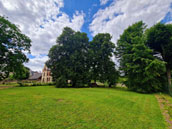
{"x":61,"y":82}
{"x":20,"y":84}
{"x":80,"y":84}
{"x":151,"y":78}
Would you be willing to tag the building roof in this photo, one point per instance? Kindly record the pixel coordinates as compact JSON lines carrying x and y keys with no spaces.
{"x":35,"y":76}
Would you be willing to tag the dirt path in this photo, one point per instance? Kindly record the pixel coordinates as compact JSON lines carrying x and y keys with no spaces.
{"x":163,"y":103}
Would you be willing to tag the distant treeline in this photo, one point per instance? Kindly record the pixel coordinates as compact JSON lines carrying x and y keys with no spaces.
{"x":144,"y":55}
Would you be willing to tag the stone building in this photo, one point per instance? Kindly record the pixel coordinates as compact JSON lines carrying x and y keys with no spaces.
{"x":46,"y":75}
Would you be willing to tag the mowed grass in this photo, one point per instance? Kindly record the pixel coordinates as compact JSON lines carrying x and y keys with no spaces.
{"x":85,"y":108}
{"x":167,"y":104}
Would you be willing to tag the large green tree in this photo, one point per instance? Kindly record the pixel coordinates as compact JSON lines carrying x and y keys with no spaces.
{"x":159,"y":38}
{"x":101,"y":52}
{"x":22,"y":73}
{"x":143,"y":71}
{"x":68,"y":58}
{"x":74,"y":58}
{"x":13,"y":44}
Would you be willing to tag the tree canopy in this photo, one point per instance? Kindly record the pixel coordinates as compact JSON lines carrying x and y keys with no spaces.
{"x":22,"y":73}
{"x":159,"y":38}
{"x":101,"y":52}
{"x":68,"y":57}
{"x":13,"y":44}
{"x":74,"y":58}
{"x":143,"y":71}
{"x":138,"y":50}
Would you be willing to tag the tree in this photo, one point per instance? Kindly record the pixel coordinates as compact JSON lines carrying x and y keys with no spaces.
{"x":101,"y":51}
{"x":159,"y":38}
{"x":13,"y":44}
{"x":68,"y":58}
{"x":22,"y":73}
{"x":110,"y":74}
{"x":74,"y":58}
{"x":143,"y":71}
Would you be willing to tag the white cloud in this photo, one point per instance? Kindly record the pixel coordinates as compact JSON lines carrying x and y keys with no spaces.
{"x":37,"y":63}
{"x":103,"y":2}
{"x":122,"y":13}
{"x":169,"y":22}
{"x":31,"y":14}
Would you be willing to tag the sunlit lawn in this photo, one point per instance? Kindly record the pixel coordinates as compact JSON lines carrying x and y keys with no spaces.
{"x":86,"y":108}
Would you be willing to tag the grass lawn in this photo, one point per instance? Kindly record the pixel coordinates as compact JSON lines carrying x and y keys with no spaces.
{"x":166,"y":102}
{"x":169,"y":105}
{"x":86,"y":108}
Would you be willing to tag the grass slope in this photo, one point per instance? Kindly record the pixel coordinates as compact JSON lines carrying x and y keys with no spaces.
{"x":167,"y":104}
{"x":93,"y":108}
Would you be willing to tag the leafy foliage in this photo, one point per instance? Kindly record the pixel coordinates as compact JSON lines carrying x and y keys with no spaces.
{"x":159,"y":38}
{"x":12,"y":46}
{"x":61,"y":82}
{"x":74,"y":58}
{"x":69,"y":57}
{"x":101,"y":51}
{"x":144,"y":72}
{"x":22,"y":73}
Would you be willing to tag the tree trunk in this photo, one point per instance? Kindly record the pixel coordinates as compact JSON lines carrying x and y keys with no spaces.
{"x":169,"y":79}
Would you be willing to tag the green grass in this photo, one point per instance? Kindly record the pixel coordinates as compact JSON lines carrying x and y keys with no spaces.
{"x":168,"y":104}
{"x":86,"y":108}
{"x":24,"y":84}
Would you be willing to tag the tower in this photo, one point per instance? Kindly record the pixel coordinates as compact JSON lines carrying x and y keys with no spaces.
{"x":46,"y":75}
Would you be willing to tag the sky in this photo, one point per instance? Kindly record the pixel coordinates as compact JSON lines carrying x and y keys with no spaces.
{"x":44,"y":20}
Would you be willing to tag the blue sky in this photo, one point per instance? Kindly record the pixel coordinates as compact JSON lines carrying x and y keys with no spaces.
{"x":43,"y":21}
{"x":89,"y":7}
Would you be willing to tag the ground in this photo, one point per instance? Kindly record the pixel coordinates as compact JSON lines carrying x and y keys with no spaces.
{"x":92,"y":108}
{"x":165,"y":103}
